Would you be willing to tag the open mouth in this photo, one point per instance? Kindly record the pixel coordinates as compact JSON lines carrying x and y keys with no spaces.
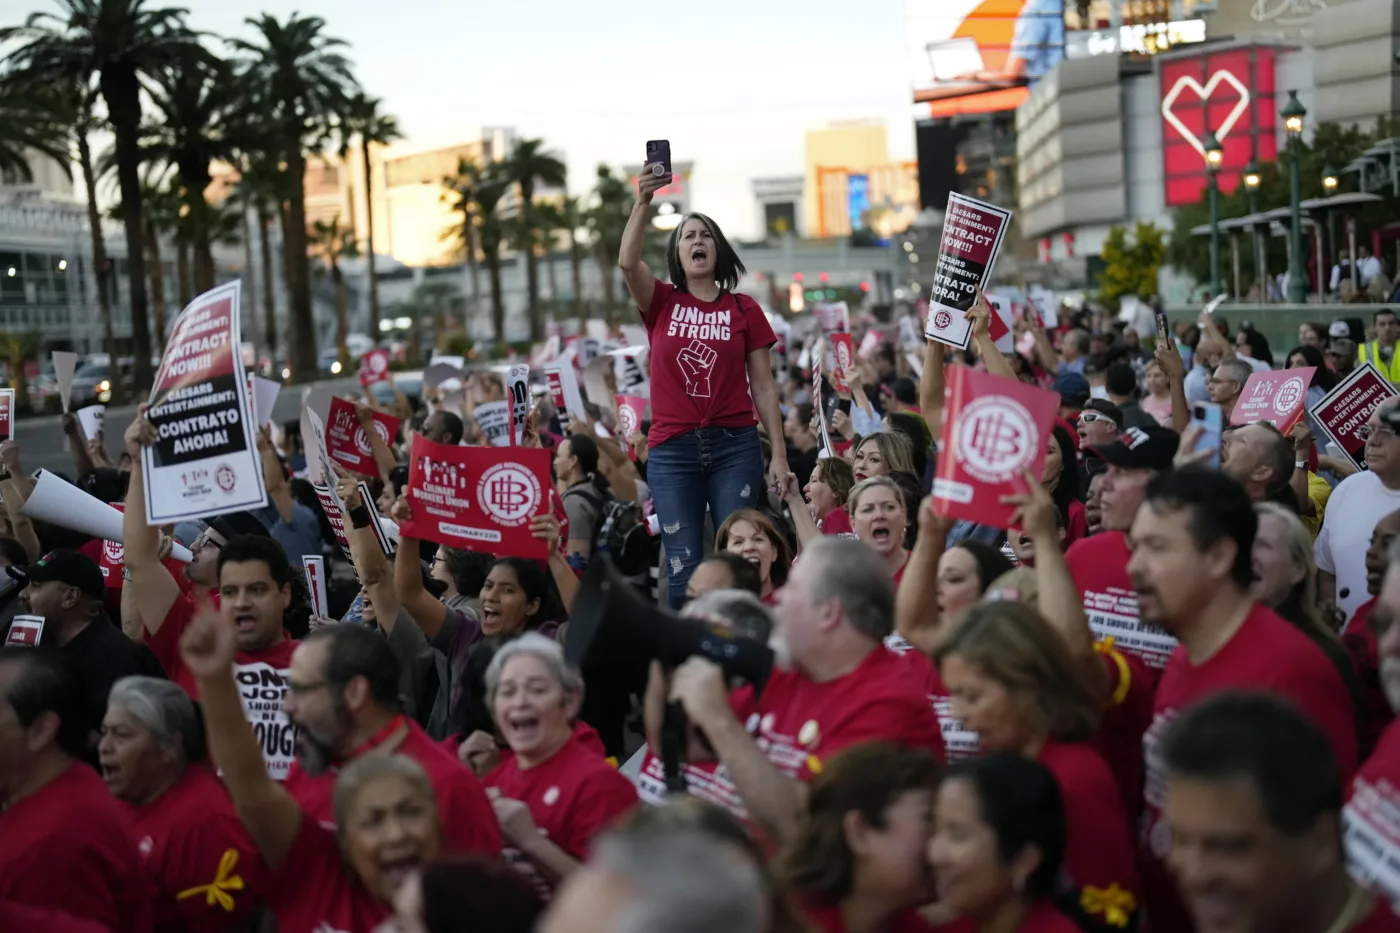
{"x":524,"y":727}
{"x":880,"y":534}
{"x":1024,"y":540}
{"x":697,"y":255}
{"x":110,"y":773}
{"x":395,"y":871}
{"x":490,"y":618}
{"x":246,"y":624}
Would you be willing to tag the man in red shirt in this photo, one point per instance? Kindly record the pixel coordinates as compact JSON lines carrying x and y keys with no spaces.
{"x":1253,"y":800}
{"x":65,"y":843}
{"x":843,"y":686}
{"x":1191,"y":568}
{"x":342,"y":696}
{"x":1099,"y":563}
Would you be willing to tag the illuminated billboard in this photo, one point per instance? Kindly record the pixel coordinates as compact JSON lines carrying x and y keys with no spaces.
{"x":980,"y":56}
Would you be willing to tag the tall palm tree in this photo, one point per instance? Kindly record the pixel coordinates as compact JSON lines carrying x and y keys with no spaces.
{"x":331,"y":242}
{"x":305,"y":84}
{"x":493,"y":231}
{"x":571,"y":218}
{"x":31,"y":120}
{"x":160,"y":214}
{"x":260,"y":189}
{"x":607,"y":218}
{"x":528,"y":165}
{"x":81,"y":97}
{"x":363,"y":120}
{"x":121,"y":42}
{"x":461,"y":194}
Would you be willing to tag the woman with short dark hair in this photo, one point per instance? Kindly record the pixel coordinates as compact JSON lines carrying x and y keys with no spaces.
{"x":710,"y":373}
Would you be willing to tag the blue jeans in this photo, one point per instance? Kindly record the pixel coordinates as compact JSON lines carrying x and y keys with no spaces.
{"x":717,"y":467}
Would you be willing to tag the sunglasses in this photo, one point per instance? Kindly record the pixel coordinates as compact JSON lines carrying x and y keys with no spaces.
{"x":1089,"y":417}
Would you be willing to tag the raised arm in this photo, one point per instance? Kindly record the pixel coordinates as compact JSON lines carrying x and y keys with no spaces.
{"x":1174,"y":368}
{"x":384,"y":459}
{"x":931,"y":385}
{"x":408,"y":578}
{"x":77,"y":444}
{"x":802,"y":522}
{"x":272,"y":817}
{"x":156,"y":589}
{"x":641,"y":284}
{"x":371,"y":566}
{"x":980,"y":314}
{"x":546,"y":528}
{"x":916,"y":615}
{"x":279,"y":491}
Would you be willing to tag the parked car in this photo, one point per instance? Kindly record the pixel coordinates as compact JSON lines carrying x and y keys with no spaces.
{"x":92,"y":383}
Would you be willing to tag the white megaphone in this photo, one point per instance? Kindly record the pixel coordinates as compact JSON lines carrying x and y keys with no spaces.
{"x":60,"y":503}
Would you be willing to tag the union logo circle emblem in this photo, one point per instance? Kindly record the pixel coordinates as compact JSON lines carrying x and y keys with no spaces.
{"x":114,"y":551}
{"x":225,"y":477}
{"x":996,"y":439}
{"x":378,"y":362}
{"x":1289,"y":395}
{"x":362,"y":439}
{"x":942,"y":319}
{"x":509,"y":494}
{"x":627,"y":420}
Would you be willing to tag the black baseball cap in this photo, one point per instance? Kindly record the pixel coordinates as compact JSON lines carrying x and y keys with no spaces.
{"x":1151,"y":448}
{"x":66,"y":566}
{"x":1105,"y":407}
{"x":233,"y":524}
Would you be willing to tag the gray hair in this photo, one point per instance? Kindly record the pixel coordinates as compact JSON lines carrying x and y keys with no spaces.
{"x":855,"y":576}
{"x":369,"y":768}
{"x":547,"y":650}
{"x":742,"y":611}
{"x":684,"y":881}
{"x":164,"y":709}
{"x":1236,"y":370}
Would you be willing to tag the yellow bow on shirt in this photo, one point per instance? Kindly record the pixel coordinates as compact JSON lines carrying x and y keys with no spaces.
{"x":216,"y":892}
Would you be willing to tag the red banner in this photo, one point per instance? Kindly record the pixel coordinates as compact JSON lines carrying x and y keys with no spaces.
{"x":995,"y":430}
{"x":331,"y":506}
{"x":347,"y":442}
{"x":1279,"y":398}
{"x":374,"y":367}
{"x":841,"y":359}
{"x":1343,"y":411}
{"x":478,"y":498}
{"x":7,"y":414}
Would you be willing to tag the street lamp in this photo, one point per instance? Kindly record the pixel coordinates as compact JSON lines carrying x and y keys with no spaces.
{"x":1215,"y":155}
{"x":1253,"y":178}
{"x":1293,"y":114}
{"x":1330,"y":182}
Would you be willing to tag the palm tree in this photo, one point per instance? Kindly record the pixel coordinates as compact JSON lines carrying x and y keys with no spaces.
{"x":462,"y":192}
{"x":121,"y":42}
{"x":81,"y":97}
{"x":493,"y":234}
{"x":549,"y":220}
{"x":260,"y":188}
{"x":527,"y":165}
{"x":571,"y":218}
{"x":607,"y":218}
{"x":15,"y":348}
{"x":304,"y":84}
{"x":331,"y":243}
{"x":30,"y":121}
{"x":364,"y":120}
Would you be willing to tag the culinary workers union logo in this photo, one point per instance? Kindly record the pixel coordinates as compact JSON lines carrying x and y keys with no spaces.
{"x":627,"y":420}
{"x":509,"y":494}
{"x":362,"y":439}
{"x":226,"y":477}
{"x":996,"y":439}
{"x":1289,"y":396}
{"x":942,"y":319}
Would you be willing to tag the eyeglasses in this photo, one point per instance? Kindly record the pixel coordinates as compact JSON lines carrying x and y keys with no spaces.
{"x":1384,"y":432}
{"x":302,"y":689}
{"x":1089,"y":417}
{"x":205,"y":540}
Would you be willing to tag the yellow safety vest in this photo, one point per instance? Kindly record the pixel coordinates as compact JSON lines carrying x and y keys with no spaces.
{"x":1372,"y":351}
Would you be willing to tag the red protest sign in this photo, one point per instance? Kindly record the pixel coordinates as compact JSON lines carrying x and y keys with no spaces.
{"x":995,"y":430}
{"x":1342,"y":412}
{"x":113,"y":558}
{"x":841,"y":359}
{"x":347,"y":442}
{"x":374,"y":367}
{"x":1279,"y":398}
{"x":478,"y":498}
{"x":331,"y":506}
{"x":25,"y":632}
{"x":630,"y":409}
{"x":7,"y":414}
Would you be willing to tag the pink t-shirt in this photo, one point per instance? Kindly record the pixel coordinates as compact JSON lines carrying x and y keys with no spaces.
{"x":699,"y":360}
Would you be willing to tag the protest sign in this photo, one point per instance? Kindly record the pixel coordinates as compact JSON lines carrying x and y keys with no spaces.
{"x":629,"y":373}
{"x":868,"y":343}
{"x":819,"y":410}
{"x":91,"y":419}
{"x":1279,"y":398}
{"x":331,"y":505}
{"x":972,"y":235}
{"x":518,"y":395}
{"x":494,"y":420}
{"x":314,"y":566}
{"x":630,"y":410}
{"x":374,"y":367}
{"x":59,"y":502}
{"x":64,"y":364}
{"x":1043,"y":303}
{"x":263,"y":393}
{"x":999,"y":325}
{"x":456,"y":362}
{"x":204,"y":461}
{"x":25,"y":632}
{"x":563,"y":389}
{"x":113,"y":559}
{"x":1342,"y":412}
{"x":377,"y":523}
{"x":995,"y":430}
{"x":831,"y":317}
{"x":7,"y":414}
{"x":438,"y":373}
{"x":347,"y":442}
{"x":909,"y":336}
{"x":477,"y":498}
{"x":841,"y":359}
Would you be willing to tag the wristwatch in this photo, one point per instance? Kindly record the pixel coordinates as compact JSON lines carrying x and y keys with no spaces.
{"x":1300,"y":465}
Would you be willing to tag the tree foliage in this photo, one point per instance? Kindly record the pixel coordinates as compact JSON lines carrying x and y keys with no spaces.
{"x":1131,"y":267}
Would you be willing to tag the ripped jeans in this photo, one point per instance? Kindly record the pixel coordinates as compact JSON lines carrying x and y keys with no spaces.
{"x":718,"y":467}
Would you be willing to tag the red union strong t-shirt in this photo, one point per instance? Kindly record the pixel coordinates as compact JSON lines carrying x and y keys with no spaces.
{"x":699,"y":359}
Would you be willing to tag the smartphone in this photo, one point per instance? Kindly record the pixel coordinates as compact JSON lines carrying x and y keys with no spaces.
{"x":659,"y":157}
{"x":1207,"y":416}
{"x":1164,"y":330}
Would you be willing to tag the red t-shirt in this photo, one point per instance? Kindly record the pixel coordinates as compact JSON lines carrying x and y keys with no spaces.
{"x":958,"y":740}
{"x":1383,"y":919}
{"x":800,"y":723}
{"x":708,"y":780}
{"x":1132,"y":687}
{"x":1266,"y":654}
{"x":699,"y":360}
{"x":204,"y":871}
{"x":898,"y":577}
{"x":315,"y":891}
{"x":1360,"y":641}
{"x":1077,"y":527}
{"x":262,"y":683}
{"x":572,"y":796}
{"x":828,"y":919}
{"x":836,"y":522}
{"x":1371,"y":818}
{"x":1099,"y":566}
{"x":1043,"y":918}
{"x":68,"y":846}
{"x":21,"y":917}
{"x":468,"y":822}
{"x":1099,"y":847}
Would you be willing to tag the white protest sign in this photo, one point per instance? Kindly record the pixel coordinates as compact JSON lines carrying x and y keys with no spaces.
{"x":518,"y":396}
{"x":563,"y":388}
{"x":314,"y":566}
{"x":972,"y":234}
{"x":205,"y":461}
{"x":494,"y":420}
{"x":92,"y":418}
{"x":64,"y":364}
{"x":265,"y":393}
{"x":629,"y":371}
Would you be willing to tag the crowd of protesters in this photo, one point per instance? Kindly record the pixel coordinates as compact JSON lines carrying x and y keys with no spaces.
{"x":1162,"y":699}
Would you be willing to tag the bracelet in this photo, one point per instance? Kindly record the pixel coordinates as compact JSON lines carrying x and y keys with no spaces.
{"x":1300,"y":464}
{"x":359,"y":517}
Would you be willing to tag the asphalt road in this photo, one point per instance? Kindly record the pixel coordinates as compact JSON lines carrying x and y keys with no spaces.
{"x":41,"y":439}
